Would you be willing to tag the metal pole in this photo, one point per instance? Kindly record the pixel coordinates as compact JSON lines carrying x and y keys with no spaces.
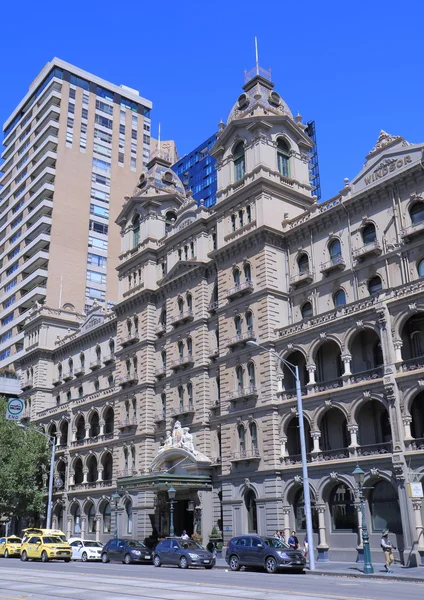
{"x":368,"y":568}
{"x":51,"y":477}
{"x":171,"y":518}
{"x":115,"y":533}
{"x":306,"y":493}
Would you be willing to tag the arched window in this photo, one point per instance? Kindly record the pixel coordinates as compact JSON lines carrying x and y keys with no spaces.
{"x":239,"y":377}
{"x":249,"y":213}
{"x":303,"y":263}
{"x":77,"y":520}
{"x":98,"y":353}
{"x":128,"y":366}
{"x":135,"y":365}
{"x":299,"y":512}
{"x":335,"y":250}
{"x":236,"y":276}
{"x":163,"y":358}
{"x":181,"y":396}
{"x":107,"y":518}
{"x":59,"y":370}
{"x":68,"y":396}
{"x":129,"y":511}
{"x":306,"y":310}
{"x":80,"y":426}
{"x":180,"y":304}
{"x":384,"y":507}
{"x":241,"y":438}
{"x":237,"y":324}
{"x":416,"y":349}
{"x":369,"y":234}
{"x":339,"y":298}
{"x":91,"y":519}
{"x":342,"y":508}
{"x":416,"y":212}
{"x":112,"y":346}
{"x":110,"y":380}
{"x":283,"y":157}
{"x":180,"y":350}
{"x":163,"y":405}
{"x":421,"y":268}
{"x":57,"y":400}
{"x":170,"y":219}
{"x":218,"y":388}
{"x":109,"y":420}
{"x":82,"y":360}
{"x":251,"y":374}
{"x":249,"y":320}
{"x":189,"y":299}
{"x":378,"y":354}
{"x":80,"y":392}
{"x":239,"y":162}
{"x":253,"y":435}
{"x":241,"y":218}
{"x":252,"y":517}
{"x":190,"y":393}
{"x":136,"y":323}
{"x":233,"y":222}
{"x":163,"y":316}
{"x":136,"y":231}
{"x":375,"y":285}
{"x":71,"y":366}
{"x":247,"y":272}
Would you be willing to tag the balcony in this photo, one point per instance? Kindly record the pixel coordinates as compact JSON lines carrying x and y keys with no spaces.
{"x":325,"y":386}
{"x":183,"y":317}
{"x":57,"y":380}
{"x":159,"y":418}
{"x":336,"y":263}
{"x":182,"y":362}
{"x":372,"y":249}
{"x":131,"y":338}
{"x":301,"y":278}
{"x":127,"y":473}
{"x":245,"y":287}
{"x":369,"y":375}
{"x":375,"y":449}
{"x":68,"y":375}
{"x":324,"y":455}
{"x":160,"y":372}
{"x":214,"y":354}
{"x":127,"y":423}
{"x":245,"y":455}
{"x":27,"y":383}
{"x":160,"y":329}
{"x":79,"y":370}
{"x":243,"y":393}
{"x":212,"y":308}
{"x":186,"y":409}
{"x":241,"y":338}
{"x":415,"y":444}
{"x":412,"y":364}
{"x":96,"y":364}
{"x":412,"y":230}
{"x":109,"y":358}
{"x":128,"y":379}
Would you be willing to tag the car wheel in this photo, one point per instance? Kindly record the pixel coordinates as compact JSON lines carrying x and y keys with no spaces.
{"x":84,"y":557}
{"x":24,"y":556}
{"x":67,"y":560}
{"x":271,"y":565}
{"x":127,"y":559}
{"x":183,"y":563}
{"x":6,"y":554}
{"x":156,"y":560}
{"x":105,"y":558}
{"x":234,"y":563}
{"x":44,"y":557}
{"x":209,"y":567}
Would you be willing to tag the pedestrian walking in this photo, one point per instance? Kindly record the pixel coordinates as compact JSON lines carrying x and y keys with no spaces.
{"x":184,"y":535}
{"x":282,"y":537}
{"x":305,"y":546}
{"x":387,"y":547}
{"x":293,"y":541}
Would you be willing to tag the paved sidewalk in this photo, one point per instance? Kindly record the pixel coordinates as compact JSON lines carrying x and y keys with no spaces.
{"x":343,"y":569}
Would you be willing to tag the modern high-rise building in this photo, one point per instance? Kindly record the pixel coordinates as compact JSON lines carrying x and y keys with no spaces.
{"x":73,"y":147}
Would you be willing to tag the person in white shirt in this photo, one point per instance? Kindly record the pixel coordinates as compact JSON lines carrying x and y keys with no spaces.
{"x":387,"y":547}
{"x":185,"y":535}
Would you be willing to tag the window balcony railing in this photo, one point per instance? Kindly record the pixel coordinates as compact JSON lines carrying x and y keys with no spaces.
{"x":160,"y":329}
{"x":243,"y":393}
{"x":245,"y":455}
{"x":127,"y":423}
{"x":186,"y":409}
{"x":183,"y":317}
{"x":412,"y":364}
{"x":334,"y":264}
{"x":213,"y":306}
{"x":241,"y":338}
{"x":182,"y":362}
{"x":160,"y":372}
{"x":412,"y":230}
{"x":326,"y":385}
{"x":128,"y":379}
{"x":127,"y":472}
{"x":242,"y":288}
{"x":295,"y":459}
{"x":337,"y":454}
{"x":159,"y":418}
{"x":416,"y":444}
{"x":301,"y":278}
{"x":131,"y":338}
{"x":370,"y":249}
{"x":369,"y":375}
{"x":109,"y":358}
{"x":375,"y":449}
{"x":27,"y":383}
{"x":96,"y":364}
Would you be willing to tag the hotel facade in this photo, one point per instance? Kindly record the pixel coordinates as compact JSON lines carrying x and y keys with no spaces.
{"x":167,"y":390}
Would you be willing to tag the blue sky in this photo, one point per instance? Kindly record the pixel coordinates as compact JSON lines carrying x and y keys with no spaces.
{"x":355,"y":67}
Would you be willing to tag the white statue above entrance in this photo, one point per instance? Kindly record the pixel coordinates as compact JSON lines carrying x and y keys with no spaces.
{"x":179,"y":438}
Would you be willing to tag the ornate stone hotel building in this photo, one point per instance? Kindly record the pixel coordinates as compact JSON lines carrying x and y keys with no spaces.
{"x":167,"y":390}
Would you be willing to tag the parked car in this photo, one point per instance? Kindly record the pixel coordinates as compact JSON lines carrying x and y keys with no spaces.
{"x":10,"y":546}
{"x":267,"y":552}
{"x":85,"y":549}
{"x":184,"y":553}
{"x":38,"y":531}
{"x":45,"y":548}
{"x":126,"y":551}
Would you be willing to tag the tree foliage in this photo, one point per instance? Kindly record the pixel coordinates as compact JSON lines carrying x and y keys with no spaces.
{"x":24,"y":456}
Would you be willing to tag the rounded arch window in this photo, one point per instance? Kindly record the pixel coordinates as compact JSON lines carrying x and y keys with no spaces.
{"x":252,"y":518}
{"x":170,"y":218}
{"x":303,"y":263}
{"x":239,"y":377}
{"x":251,"y":373}
{"x":107,"y":514}
{"x":180,"y":304}
{"x":91,"y":517}
{"x":237,"y":324}
{"x":342,"y":508}
{"x":136,"y":231}
{"x":369,"y":234}
{"x":77,"y":520}
{"x":236,"y":276}
{"x":421,"y":268}
{"x":375,"y":285}
{"x":239,"y":161}
{"x":299,"y":512}
{"x":189,"y":299}
{"x":247,"y":272}
{"x":306,"y":310}
{"x":283,"y":157}
{"x":416,"y":212}
{"x":339,"y":298}
{"x":384,"y":508}
{"x":335,"y":249}
{"x":241,"y":438}
{"x":249,"y":320}
{"x":253,"y":428}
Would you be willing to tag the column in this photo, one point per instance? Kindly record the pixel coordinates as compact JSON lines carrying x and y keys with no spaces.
{"x":69,"y":527}
{"x":283,"y":447}
{"x":417,"y":506}
{"x":286,"y":516}
{"x":360,"y":546}
{"x":83,"y":527}
{"x":353,"y":430}
{"x":407,"y":420}
{"x":398,"y":350}
{"x":102,"y":428}
{"x":87,"y":432}
{"x":98,"y":519}
{"x":322,"y":546}
{"x":99,"y":474}
{"x":346,"y":358}
{"x":71,"y":480}
{"x":315,"y":437}
{"x":74,"y":435}
{"x":311,"y":371}
{"x":85,"y":475}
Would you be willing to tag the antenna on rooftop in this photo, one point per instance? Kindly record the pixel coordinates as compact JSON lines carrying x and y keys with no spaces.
{"x":159,"y":140}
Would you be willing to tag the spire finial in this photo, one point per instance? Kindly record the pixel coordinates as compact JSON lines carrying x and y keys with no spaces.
{"x":256,"y":55}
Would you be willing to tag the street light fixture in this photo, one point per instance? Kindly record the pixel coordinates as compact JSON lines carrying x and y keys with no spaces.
{"x":294,"y":369}
{"x":359,"y":476}
{"x":172,"y":492}
{"x":52,"y":441}
{"x":115,"y":498}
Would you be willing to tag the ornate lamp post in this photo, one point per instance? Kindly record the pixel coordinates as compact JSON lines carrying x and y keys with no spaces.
{"x":359,"y":476}
{"x":171,"y":495}
{"x":115,"y":500}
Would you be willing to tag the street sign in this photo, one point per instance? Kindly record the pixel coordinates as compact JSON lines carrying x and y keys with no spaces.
{"x":15,"y":408}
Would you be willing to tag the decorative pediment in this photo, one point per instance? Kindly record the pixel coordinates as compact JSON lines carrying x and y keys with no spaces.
{"x":385,"y":140}
{"x":180,"y":269}
{"x":96,"y":317}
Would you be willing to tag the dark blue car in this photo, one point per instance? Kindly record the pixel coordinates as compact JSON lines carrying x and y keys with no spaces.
{"x":267,"y":552}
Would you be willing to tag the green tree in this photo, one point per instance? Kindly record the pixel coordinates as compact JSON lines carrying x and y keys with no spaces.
{"x":24,"y":456}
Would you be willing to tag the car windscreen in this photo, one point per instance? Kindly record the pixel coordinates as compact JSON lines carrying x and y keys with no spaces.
{"x":52,"y":540}
{"x":191,"y":545}
{"x":135,"y":544}
{"x":275,"y":543}
{"x":14,"y":540}
{"x":93,"y":544}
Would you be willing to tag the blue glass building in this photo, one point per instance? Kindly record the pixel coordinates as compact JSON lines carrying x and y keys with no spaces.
{"x":197,"y":171}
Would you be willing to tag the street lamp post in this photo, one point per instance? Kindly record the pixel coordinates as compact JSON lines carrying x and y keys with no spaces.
{"x":306,"y":492}
{"x":115,"y":498}
{"x":359,"y":476}
{"x":171,"y":495}
{"x":52,"y":441}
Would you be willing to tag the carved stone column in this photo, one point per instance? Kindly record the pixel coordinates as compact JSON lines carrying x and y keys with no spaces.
{"x":283,"y":447}
{"x":311,"y":371}
{"x":83,"y":527}
{"x":85,"y":475}
{"x":74,"y":435}
{"x":98,"y":519}
{"x":87,"y":432}
{"x":315,"y":437}
{"x":286,"y":515}
{"x":69,"y":527}
{"x":322,"y":546}
{"x":398,"y":350}
{"x":347,"y":358}
{"x":407,"y":420}
{"x":353,"y":430}
{"x":99,"y":474}
{"x":101,"y":428}
{"x":417,"y":506}
{"x":71,"y":480}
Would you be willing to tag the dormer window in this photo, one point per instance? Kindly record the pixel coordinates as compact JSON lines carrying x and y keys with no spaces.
{"x":239,"y":162}
{"x":168,"y":178}
{"x":283,"y":157}
{"x":416,"y":212}
{"x":369,"y":235}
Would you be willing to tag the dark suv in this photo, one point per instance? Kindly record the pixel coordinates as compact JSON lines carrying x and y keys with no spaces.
{"x":266,"y":552}
{"x":184,"y":553}
{"x":126,"y":551}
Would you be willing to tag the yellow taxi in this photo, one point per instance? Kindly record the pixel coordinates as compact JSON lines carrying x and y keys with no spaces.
{"x":10,"y":546}
{"x":27,"y":533}
{"x":45,"y":548}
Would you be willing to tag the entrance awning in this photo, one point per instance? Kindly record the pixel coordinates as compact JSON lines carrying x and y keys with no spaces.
{"x":162,"y":481}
